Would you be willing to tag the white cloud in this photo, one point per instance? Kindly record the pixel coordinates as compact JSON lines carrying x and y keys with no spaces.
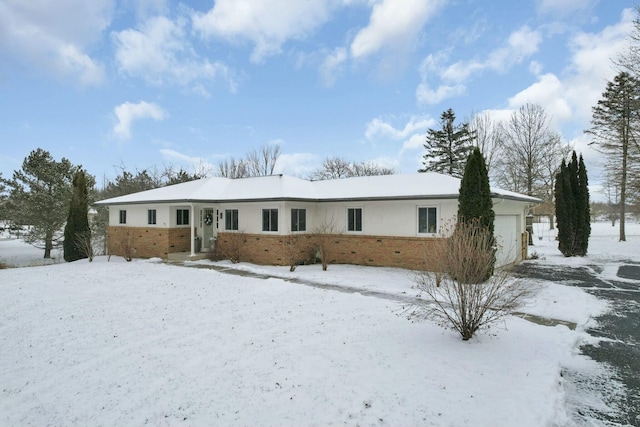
{"x":412,"y":134}
{"x":392,"y":24}
{"x":548,"y":92}
{"x":129,"y":112}
{"x":452,"y":78}
{"x":56,"y":35}
{"x":297,"y":164}
{"x":332,"y":65}
{"x":266,"y":24}
{"x":160,"y":53}
{"x":570,"y":100}
{"x":198,"y":165}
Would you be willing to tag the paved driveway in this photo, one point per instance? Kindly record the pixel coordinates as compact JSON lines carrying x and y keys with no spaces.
{"x":617,"y":401}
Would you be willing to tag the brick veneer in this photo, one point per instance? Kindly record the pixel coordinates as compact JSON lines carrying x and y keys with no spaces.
{"x":149,"y":242}
{"x":383,"y":251}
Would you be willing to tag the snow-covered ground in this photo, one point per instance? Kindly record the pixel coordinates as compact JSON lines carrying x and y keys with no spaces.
{"x":117,"y":343}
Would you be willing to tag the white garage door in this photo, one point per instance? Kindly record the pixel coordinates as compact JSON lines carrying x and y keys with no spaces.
{"x":506,"y":232}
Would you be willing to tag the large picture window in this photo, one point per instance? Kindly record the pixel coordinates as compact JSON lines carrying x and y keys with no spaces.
{"x":182,"y":217}
{"x":269,"y":219}
{"x":298,"y":220}
{"x":427,"y":220}
{"x":231,"y":219}
{"x":123,"y":217}
{"x":354,"y":219}
{"x":151,"y":217}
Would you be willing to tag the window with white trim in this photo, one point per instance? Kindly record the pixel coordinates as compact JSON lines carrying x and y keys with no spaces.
{"x":298,"y":219}
{"x":269,"y":219}
{"x":427,"y":220}
{"x":182,"y":217}
{"x":354,"y":219}
{"x":123,"y":217}
{"x":231,"y":219}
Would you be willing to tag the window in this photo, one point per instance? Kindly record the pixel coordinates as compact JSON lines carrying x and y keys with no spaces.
{"x":269,"y":219}
{"x":182,"y":217}
{"x":427,"y":220}
{"x":354,"y":219}
{"x":151,"y":216}
{"x":298,"y":220}
{"x":231,"y":219}
{"x":123,"y":217}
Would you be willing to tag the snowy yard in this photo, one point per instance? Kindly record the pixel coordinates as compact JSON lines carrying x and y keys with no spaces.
{"x":117,"y":343}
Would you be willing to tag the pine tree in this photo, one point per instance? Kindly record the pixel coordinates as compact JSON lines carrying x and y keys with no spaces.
{"x":475,"y":206}
{"x":77,"y":231}
{"x":615,"y":122}
{"x":448,"y":148}
{"x":39,"y":196}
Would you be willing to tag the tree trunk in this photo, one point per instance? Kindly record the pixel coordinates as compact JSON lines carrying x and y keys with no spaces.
{"x":552,"y":225}
{"x":48,"y":244}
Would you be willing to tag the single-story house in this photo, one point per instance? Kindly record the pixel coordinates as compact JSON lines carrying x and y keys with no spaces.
{"x":388,"y":220}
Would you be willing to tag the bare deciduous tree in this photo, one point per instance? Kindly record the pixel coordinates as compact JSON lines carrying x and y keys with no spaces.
{"x":258,"y":162}
{"x":487,"y":131}
{"x":530,"y":151}
{"x":337,"y":167}
{"x":458,"y":297}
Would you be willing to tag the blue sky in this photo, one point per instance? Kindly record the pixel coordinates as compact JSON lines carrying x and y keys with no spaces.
{"x":112,"y":83}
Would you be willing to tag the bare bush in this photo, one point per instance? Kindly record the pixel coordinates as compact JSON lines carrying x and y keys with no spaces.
{"x":292,"y":248}
{"x":229,"y":246}
{"x":84,"y":245}
{"x":127,"y":246}
{"x":458,"y":296}
{"x":323,"y":234}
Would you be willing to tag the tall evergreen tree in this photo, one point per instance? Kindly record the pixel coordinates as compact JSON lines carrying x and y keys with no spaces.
{"x":572,"y":207}
{"x":474,"y":201}
{"x":448,"y":148}
{"x":616,"y":130}
{"x":563,"y":216}
{"x":475,"y":206}
{"x":585,"y":224}
{"x":39,"y":196}
{"x":77,"y":232}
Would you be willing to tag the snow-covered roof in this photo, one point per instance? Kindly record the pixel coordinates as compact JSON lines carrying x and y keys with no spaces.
{"x":283,"y":187}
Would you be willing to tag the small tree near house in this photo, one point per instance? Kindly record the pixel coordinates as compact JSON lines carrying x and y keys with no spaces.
{"x":323,"y":235}
{"x":465,"y":294}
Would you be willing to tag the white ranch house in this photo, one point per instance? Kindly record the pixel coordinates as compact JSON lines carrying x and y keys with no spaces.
{"x":388,"y":220}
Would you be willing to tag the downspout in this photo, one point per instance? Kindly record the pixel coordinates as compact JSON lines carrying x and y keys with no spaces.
{"x":193,"y":231}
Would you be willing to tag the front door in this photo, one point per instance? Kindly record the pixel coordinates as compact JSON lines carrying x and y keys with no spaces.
{"x":209,"y":227}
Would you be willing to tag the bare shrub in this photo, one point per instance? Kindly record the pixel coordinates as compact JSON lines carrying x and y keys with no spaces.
{"x":85,"y":245}
{"x":230,"y":246}
{"x":127,"y":246}
{"x":292,"y":248}
{"x":323,"y":234}
{"x":458,"y":296}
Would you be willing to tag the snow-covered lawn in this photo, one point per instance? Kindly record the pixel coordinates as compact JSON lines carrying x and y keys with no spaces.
{"x":117,"y":343}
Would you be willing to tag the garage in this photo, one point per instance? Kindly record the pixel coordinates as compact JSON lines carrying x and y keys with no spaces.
{"x":507,"y":234}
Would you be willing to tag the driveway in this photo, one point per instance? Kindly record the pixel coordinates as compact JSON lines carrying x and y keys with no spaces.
{"x":595,"y":398}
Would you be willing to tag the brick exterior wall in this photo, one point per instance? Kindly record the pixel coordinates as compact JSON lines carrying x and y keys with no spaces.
{"x":149,"y":242}
{"x":382,"y":251}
